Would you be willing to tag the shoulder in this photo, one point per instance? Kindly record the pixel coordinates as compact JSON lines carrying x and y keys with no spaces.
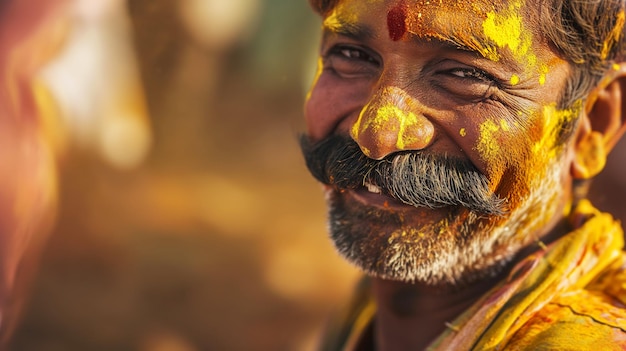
{"x":593,"y":318}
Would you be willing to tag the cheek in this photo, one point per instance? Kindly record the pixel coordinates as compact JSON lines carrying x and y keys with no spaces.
{"x":317,"y":113}
{"x":333,"y":105}
{"x":502,"y":148}
{"x":519,"y":156}
{"x":494,"y":145}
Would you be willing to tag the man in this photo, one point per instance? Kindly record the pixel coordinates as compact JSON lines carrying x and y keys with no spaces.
{"x":455,"y":140}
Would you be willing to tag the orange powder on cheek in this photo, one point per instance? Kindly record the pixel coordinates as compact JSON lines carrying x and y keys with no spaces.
{"x":503,"y":144}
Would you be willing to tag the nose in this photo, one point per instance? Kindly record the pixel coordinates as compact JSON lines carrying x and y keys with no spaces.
{"x":391,"y":121}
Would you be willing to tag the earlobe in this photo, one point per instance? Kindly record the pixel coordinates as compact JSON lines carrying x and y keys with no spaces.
{"x":603,"y":124}
{"x":590,"y":156}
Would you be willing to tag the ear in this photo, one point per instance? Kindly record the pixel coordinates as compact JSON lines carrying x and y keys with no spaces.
{"x":602,"y":124}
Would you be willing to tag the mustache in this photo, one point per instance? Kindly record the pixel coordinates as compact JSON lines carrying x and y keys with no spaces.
{"x":412,"y":177}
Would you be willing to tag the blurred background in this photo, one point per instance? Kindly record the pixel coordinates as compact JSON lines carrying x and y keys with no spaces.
{"x":184,"y":218}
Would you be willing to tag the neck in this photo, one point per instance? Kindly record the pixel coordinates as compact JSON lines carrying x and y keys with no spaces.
{"x":411,"y":315}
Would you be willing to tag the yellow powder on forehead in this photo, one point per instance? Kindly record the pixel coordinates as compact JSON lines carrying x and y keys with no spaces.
{"x":506,"y":30}
{"x":482,"y":26}
{"x":448,"y":21}
{"x":344,"y":13}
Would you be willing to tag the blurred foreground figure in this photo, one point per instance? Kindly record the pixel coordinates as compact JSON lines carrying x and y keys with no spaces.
{"x":35,"y":125}
{"x":455,"y":141}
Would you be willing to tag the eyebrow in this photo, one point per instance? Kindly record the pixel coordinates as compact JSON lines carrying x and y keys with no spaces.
{"x":473,"y":46}
{"x":335,"y":25}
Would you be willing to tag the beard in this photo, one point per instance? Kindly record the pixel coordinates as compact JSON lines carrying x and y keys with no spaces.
{"x":474,"y":238}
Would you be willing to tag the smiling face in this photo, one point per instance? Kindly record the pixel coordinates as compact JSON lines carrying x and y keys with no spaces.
{"x":455,"y":83}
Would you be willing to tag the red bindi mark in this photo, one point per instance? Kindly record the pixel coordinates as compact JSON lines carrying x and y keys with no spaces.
{"x":396,"y":21}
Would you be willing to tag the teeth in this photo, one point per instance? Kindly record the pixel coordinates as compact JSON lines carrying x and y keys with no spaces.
{"x":372,"y":188}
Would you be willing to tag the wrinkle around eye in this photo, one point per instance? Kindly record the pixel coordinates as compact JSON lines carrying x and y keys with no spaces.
{"x":349,"y":61}
{"x":469,"y":89}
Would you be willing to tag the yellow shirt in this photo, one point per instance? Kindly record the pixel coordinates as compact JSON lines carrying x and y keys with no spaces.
{"x":570,"y":296}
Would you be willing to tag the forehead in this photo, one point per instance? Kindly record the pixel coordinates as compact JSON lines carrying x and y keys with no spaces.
{"x":496,"y":30}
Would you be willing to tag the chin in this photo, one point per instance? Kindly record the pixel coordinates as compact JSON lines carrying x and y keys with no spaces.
{"x":451,"y":246}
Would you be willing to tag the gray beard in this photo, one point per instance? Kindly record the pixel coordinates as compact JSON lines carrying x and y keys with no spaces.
{"x":458,"y":250}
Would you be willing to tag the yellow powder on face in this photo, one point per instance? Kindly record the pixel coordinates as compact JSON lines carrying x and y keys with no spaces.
{"x":388,"y":117}
{"x":346,"y":13}
{"x":553,"y":118}
{"x":392,"y":113}
{"x":514,"y":79}
{"x":332,"y":21}
{"x":488,"y":145}
{"x":463,"y":132}
{"x":506,"y":30}
{"x":543,"y":71}
{"x":408,"y":120}
{"x":504,"y":125}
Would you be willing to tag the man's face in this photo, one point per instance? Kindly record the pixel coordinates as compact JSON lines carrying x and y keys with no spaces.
{"x":460,"y":102}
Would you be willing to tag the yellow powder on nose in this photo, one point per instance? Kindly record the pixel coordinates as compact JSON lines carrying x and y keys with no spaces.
{"x":407,"y":121}
{"x":379,"y":121}
{"x":384,"y":118}
{"x":463,"y":132}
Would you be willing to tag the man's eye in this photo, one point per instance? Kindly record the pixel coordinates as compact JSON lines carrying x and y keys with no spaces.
{"x":355,"y":54}
{"x":467,"y":83}
{"x":473,"y":73}
{"x":351,"y":61}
